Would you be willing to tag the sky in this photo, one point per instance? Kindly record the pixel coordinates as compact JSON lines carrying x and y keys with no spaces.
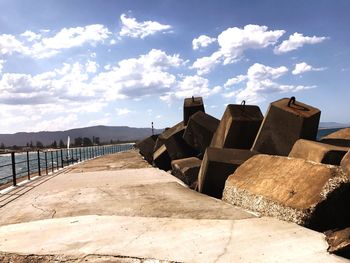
{"x":76,"y":63}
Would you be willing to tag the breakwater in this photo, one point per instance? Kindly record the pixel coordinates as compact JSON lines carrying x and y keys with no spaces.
{"x":30,"y":163}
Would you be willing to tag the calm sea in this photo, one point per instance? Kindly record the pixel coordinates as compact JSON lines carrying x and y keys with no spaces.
{"x":53,"y":159}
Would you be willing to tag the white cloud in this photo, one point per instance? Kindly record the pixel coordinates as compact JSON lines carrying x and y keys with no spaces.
{"x":202,"y":41}
{"x":132,"y":28}
{"x":191,"y":86}
{"x":31,"y":36}
{"x":44,"y":47}
{"x":261,"y":81}
{"x":122,"y":111}
{"x":91,"y":66}
{"x":235,"y":80}
{"x":9,"y":44}
{"x":304,"y":67}
{"x":2,"y":62}
{"x":234,"y":41}
{"x":296,"y":41}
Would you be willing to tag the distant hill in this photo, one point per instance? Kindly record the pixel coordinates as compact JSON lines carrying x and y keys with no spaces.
{"x":106,"y":134}
{"x":330,"y":125}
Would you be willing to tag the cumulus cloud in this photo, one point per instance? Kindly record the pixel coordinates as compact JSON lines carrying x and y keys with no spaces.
{"x":304,"y":67}
{"x":191,"y":86}
{"x":260,"y":81}
{"x":31,"y":36}
{"x":132,"y":28}
{"x":2,"y":62}
{"x":202,"y":41}
{"x":44,"y":47}
{"x":122,"y":111}
{"x":234,"y":41}
{"x":296,"y":41}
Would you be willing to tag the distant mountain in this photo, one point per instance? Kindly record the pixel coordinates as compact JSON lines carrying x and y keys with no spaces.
{"x":106,"y":134}
{"x":330,"y":125}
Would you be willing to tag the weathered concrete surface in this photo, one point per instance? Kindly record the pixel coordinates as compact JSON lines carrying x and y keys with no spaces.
{"x":345,"y":163}
{"x":216,"y":166}
{"x":140,"y":215}
{"x":318,"y":152}
{"x":187,"y":170}
{"x":200,"y":130}
{"x":181,"y":240}
{"x":238,"y":127}
{"x":286,"y":122}
{"x":295,"y":190}
{"x":191,"y":106}
{"x":161,"y":158}
{"x":339,"y":138}
{"x":339,"y":241}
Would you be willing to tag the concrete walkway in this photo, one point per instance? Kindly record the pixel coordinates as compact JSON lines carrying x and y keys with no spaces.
{"x":100,"y":212}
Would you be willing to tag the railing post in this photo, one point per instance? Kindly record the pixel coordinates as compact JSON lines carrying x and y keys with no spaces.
{"x":13,"y":160}
{"x":39,"y":168}
{"x":28,"y":167}
{"x":57,"y":160}
{"x":52,"y":168}
{"x":62,"y":158}
{"x":80,"y":154}
{"x":46,"y":163}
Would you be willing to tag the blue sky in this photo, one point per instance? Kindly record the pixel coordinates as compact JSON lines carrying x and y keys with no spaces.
{"x":67,"y":64}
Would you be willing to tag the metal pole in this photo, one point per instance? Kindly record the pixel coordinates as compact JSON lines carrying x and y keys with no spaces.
{"x":52,"y":169}
{"x":46,"y":163}
{"x":13,"y":160}
{"x":28,"y":167}
{"x":39,"y":168}
{"x":80,"y":154}
{"x":61,"y":158}
{"x":57,"y":159}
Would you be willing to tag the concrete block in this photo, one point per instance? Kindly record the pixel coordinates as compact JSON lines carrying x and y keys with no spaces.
{"x":292,"y":189}
{"x":191,"y":106}
{"x":286,"y":121}
{"x":339,"y":242}
{"x":216,"y":166}
{"x":238,"y":127}
{"x":345,"y":163}
{"x":146,"y":147}
{"x":161,"y":159}
{"x":200,"y":130}
{"x":187,"y":170}
{"x":339,"y":138}
{"x":318,"y":152}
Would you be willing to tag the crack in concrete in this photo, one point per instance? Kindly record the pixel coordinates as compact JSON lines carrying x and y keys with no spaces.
{"x":227,"y":243}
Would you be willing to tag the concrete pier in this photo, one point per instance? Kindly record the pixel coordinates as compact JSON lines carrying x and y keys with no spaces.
{"x":117,"y":208}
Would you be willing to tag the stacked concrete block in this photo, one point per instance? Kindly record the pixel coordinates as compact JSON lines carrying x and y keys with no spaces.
{"x":238,"y":127}
{"x":345,"y":163}
{"x":286,"y":121}
{"x":216,"y":166}
{"x":292,"y":189}
{"x":191,"y":106}
{"x":339,"y":242}
{"x":339,"y":138}
{"x":318,"y":152}
{"x":187,"y":170}
{"x":161,"y":158}
{"x":200,"y":130}
{"x":146,"y":147}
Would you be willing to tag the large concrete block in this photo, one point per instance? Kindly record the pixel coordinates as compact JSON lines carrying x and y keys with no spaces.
{"x":286,"y":121}
{"x":146,"y":147}
{"x":318,"y":152}
{"x":339,"y":138}
{"x":161,"y":158}
{"x":216,"y":166}
{"x":191,"y":106}
{"x":292,"y":189}
{"x":339,"y":242}
{"x":345,"y":163}
{"x":175,"y":145}
{"x":200,"y":130}
{"x":238,"y":127}
{"x":187,"y":170}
